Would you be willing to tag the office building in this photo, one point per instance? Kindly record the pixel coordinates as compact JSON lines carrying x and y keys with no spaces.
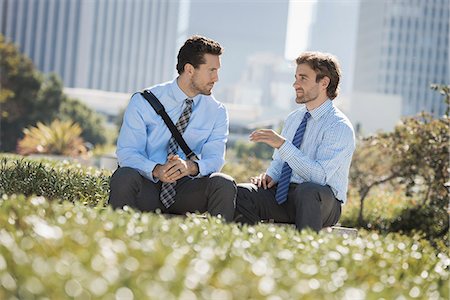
{"x":403,"y":47}
{"x":111,"y":45}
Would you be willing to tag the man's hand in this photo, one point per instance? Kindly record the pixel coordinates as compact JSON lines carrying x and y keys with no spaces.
{"x":174,"y":169}
{"x":267,"y":136}
{"x":263,"y":180}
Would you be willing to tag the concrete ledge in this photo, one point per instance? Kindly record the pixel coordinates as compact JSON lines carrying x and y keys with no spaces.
{"x":338,"y":230}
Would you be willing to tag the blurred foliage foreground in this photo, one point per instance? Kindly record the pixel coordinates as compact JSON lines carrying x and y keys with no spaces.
{"x":51,"y":250}
{"x":82,"y":249}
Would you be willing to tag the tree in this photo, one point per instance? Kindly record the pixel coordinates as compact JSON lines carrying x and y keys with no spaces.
{"x":372,"y":165}
{"x":20,"y":84}
{"x":90,"y":121}
{"x":49,"y":99}
{"x":28,"y":97}
{"x":416,"y":153}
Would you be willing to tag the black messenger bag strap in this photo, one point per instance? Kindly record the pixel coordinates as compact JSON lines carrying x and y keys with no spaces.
{"x":159,"y":108}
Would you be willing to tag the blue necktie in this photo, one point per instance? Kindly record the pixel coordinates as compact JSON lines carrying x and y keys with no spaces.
{"x":286,"y":172}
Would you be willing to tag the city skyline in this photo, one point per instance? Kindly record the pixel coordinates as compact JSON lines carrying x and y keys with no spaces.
{"x":105,"y":45}
{"x":97,"y":44}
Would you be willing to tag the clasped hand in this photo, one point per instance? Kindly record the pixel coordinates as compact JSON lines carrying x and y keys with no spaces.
{"x":174,"y":169}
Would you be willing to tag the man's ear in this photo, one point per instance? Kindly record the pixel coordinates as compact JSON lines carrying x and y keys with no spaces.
{"x":325,"y":82}
{"x":189,"y":69}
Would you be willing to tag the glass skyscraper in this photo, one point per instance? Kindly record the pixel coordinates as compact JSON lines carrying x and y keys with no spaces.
{"x":111,"y":45}
{"x":403,"y":47}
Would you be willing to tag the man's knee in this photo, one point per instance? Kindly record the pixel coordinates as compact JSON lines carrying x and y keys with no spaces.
{"x":244,"y":189}
{"x":223,"y":181}
{"x":123,"y":183}
{"x":124,"y":176}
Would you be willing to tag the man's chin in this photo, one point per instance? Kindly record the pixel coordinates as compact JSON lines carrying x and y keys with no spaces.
{"x":300,"y":100}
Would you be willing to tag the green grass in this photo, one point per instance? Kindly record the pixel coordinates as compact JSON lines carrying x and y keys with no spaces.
{"x":67,"y":250}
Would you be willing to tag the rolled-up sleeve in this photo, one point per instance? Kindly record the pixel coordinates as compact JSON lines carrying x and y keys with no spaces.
{"x":131,"y":143}
{"x":213,"y":151}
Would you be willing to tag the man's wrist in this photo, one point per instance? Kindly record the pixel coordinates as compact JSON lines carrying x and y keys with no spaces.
{"x":155,"y":171}
{"x":192,"y":168}
{"x":283,"y":140}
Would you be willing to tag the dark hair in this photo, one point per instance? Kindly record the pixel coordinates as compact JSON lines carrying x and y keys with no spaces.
{"x":325,"y":65}
{"x":194,"y":49}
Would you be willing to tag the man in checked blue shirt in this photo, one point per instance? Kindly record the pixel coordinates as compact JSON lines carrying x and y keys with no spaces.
{"x":306,"y":182}
{"x":154,"y":173}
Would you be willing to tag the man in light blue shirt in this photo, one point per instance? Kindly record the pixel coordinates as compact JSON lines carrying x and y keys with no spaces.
{"x":306,"y":182}
{"x":153,"y":177}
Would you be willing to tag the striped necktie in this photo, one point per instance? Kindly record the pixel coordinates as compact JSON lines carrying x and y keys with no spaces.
{"x":167,"y":194}
{"x":286,"y":172}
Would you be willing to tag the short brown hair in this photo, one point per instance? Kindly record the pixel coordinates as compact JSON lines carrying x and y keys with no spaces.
{"x":194,"y":49}
{"x":325,"y":65}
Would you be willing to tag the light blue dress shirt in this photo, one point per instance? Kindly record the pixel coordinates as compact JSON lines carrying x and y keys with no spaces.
{"x":144,"y":137}
{"x":326,"y":151}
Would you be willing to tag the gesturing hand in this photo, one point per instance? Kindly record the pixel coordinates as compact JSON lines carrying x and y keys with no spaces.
{"x":263,"y":180}
{"x":267,"y":136}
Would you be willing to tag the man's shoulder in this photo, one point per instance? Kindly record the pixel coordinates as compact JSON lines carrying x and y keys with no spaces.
{"x":340,"y":116}
{"x":159,"y":88}
{"x":210,"y":100}
{"x":296,"y":113}
{"x":339,"y":121}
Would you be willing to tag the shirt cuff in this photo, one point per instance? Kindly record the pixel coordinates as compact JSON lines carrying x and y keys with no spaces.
{"x":287,"y":151}
{"x":275,"y":177}
{"x":148,"y":172}
{"x":199,"y":172}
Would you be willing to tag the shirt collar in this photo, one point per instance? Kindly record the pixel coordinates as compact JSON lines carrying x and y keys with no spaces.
{"x":317,"y":112}
{"x":179,"y":95}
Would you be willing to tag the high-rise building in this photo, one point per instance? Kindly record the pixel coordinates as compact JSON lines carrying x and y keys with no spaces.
{"x":111,"y":45}
{"x":402,"y":48}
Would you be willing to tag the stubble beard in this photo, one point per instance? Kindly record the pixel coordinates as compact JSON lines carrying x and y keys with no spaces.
{"x":199,"y":90}
{"x":304,"y":99}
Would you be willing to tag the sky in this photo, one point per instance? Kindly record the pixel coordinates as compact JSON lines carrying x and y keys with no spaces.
{"x":299,"y":20}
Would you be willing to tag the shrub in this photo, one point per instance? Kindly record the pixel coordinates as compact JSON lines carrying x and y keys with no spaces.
{"x":242,"y":169}
{"x":54,"y":181}
{"x":60,"y":138}
{"x":256,"y":150}
{"x":71,"y":251}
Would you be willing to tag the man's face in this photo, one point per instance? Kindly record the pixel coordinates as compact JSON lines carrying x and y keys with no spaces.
{"x":305,"y":85}
{"x":206,"y":75}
